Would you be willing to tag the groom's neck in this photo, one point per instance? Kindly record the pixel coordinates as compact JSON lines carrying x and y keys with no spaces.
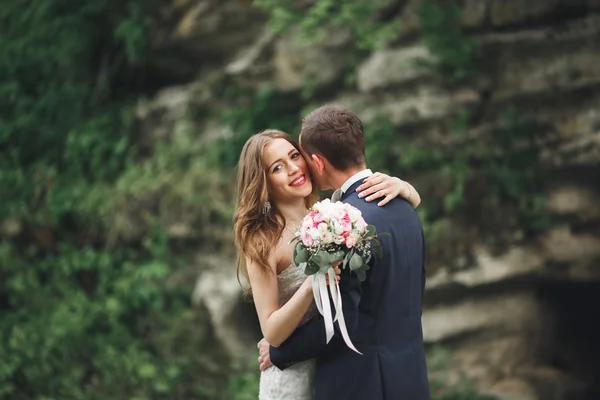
{"x":338,"y":178}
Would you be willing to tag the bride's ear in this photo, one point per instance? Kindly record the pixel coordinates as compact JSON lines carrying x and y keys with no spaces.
{"x":320,"y":162}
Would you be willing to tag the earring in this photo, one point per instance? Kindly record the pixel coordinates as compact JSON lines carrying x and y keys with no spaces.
{"x":266,"y":207}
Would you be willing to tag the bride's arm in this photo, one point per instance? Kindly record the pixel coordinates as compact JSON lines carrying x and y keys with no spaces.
{"x":381,"y":185}
{"x":277,"y":323}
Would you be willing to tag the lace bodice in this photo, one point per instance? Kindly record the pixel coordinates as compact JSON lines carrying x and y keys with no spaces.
{"x":295,"y":382}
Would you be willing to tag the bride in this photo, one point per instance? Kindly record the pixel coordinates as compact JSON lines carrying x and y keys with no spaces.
{"x":274,"y":192}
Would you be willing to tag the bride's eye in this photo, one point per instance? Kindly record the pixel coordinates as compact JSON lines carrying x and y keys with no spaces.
{"x":295,"y":155}
{"x":277,"y":168}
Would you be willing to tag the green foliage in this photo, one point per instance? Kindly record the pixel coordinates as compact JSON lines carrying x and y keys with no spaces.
{"x":463,"y":390}
{"x":314,"y":22}
{"x":243,"y":386}
{"x":58,"y":123}
{"x":401,"y":158}
{"x":502,"y":170}
{"x":514,"y":173}
{"x":249,"y":112}
{"x":87,"y":323}
{"x":91,"y":305}
{"x":50,"y":85}
{"x":443,"y":35}
{"x":508,"y":163}
{"x":437,"y":361}
{"x":66,"y":321}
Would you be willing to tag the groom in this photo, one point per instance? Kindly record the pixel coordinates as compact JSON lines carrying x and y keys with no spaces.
{"x":383,"y":313}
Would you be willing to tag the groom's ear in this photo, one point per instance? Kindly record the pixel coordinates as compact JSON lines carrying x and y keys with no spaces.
{"x":319,"y":162}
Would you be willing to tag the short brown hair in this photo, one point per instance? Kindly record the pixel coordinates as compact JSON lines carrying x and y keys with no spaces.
{"x":336,"y":134}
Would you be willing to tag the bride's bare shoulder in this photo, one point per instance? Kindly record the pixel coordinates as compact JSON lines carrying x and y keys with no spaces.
{"x":283,"y":254}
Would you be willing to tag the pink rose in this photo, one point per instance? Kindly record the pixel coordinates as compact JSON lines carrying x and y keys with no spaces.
{"x":350,"y":241}
{"x":307,"y":239}
{"x":345,"y":225}
{"x":318,"y":217}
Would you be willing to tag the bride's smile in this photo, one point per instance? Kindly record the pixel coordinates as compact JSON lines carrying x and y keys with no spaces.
{"x":299,"y":181}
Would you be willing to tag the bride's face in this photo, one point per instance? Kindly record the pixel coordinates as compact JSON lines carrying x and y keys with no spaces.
{"x":287,"y":173}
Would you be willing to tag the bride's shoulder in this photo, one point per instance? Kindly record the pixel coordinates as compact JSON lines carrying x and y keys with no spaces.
{"x":283,"y":256}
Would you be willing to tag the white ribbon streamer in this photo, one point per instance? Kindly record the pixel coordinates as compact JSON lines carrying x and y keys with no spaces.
{"x":319,"y":286}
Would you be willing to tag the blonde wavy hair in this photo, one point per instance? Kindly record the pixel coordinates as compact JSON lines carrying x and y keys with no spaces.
{"x":256,"y":233}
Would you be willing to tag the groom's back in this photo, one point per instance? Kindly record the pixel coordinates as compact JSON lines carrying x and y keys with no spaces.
{"x":388,"y":330}
{"x":392,"y":293}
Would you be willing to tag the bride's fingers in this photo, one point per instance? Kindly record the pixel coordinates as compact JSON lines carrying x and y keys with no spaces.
{"x":337,"y":271}
{"x":375,"y":175}
{"x":337,"y":278}
{"x":370,"y":181}
{"x":374,"y":192}
{"x":387,"y":199}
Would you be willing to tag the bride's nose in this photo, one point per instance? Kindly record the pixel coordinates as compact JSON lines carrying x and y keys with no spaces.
{"x":293,"y":168}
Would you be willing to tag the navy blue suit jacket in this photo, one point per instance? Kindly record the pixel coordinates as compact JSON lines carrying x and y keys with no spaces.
{"x":383,"y":317}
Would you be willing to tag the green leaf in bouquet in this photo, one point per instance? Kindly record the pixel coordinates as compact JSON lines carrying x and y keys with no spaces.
{"x":378,"y":250}
{"x":383,"y":234}
{"x":324,"y":268}
{"x":325,"y":259}
{"x":371,"y":230}
{"x":366,"y":267}
{"x":347,"y":258}
{"x":321,"y":258}
{"x":311,"y":268}
{"x":337,"y":256}
{"x":361,"y":275}
{"x":301,"y":255}
{"x":355,"y":262}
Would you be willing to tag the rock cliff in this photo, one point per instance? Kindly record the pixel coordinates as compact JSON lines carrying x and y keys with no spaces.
{"x":520,"y":316}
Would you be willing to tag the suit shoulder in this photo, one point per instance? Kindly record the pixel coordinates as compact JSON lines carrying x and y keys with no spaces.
{"x":396,"y":205}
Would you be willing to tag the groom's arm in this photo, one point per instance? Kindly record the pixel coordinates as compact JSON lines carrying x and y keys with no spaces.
{"x":308,"y":340}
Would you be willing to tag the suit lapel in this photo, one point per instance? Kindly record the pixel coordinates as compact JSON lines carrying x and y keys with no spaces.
{"x":336,"y":196}
{"x":351,"y":189}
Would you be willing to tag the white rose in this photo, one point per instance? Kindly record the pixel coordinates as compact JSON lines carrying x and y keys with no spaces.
{"x":360,"y":225}
{"x":354,"y":215}
{"x":337,"y":228}
{"x":314,"y":233}
{"x":322,"y":228}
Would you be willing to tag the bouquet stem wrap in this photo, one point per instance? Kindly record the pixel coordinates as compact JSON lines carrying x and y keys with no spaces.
{"x":319,"y":286}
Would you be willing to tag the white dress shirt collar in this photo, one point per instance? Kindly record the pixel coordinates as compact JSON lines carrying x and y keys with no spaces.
{"x":355,"y":178}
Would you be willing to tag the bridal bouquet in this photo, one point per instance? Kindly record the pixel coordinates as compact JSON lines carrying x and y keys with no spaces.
{"x":330,"y":233}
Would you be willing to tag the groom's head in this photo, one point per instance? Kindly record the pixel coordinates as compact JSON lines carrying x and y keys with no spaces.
{"x":332,"y":141}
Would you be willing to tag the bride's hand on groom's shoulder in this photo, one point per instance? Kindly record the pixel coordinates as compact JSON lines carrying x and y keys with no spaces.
{"x":381,"y":185}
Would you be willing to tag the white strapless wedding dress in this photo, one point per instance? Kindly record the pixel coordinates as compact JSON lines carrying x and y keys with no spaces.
{"x":295,"y":382}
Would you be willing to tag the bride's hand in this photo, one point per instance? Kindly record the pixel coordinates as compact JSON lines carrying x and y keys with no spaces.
{"x":307,"y":286}
{"x":381,"y":185}
{"x":337,"y":271}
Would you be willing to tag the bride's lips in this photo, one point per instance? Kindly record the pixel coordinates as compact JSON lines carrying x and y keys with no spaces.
{"x":299,"y":181}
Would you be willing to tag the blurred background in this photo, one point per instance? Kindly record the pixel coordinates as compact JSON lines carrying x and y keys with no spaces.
{"x":121,"y":122}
